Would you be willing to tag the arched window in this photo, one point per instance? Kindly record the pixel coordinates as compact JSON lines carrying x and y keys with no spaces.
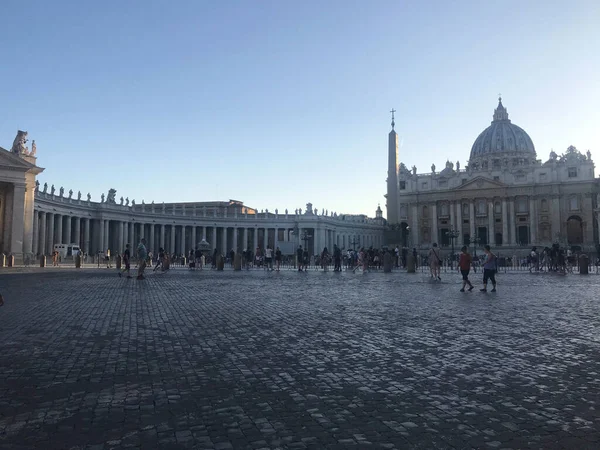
{"x":465,"y":210}
{"x":444,"y":209}
{"x":425,"y":211}
{"x":544,"y":204}
{"x":522,"y":205}
{"x":498,"y":208}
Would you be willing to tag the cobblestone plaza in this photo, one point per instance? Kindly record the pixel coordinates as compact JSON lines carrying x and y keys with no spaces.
{"x":236,"y":360}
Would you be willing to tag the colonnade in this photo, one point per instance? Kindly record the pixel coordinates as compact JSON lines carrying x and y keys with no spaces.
{"x":95,"y":235}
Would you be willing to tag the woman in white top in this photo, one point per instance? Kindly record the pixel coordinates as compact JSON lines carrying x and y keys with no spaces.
{"x":434,"y":261}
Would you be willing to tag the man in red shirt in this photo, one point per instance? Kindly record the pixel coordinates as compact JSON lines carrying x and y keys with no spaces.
{"x":464,"y":264}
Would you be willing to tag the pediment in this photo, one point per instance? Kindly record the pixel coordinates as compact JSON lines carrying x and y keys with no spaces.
{"x":11,"y":161}
{"x":480,"y":183}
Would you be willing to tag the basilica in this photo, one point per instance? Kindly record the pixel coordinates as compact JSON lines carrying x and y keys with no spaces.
{"x":505,"y":196}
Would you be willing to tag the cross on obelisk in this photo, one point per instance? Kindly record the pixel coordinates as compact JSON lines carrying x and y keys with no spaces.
{"x":393,"y":123}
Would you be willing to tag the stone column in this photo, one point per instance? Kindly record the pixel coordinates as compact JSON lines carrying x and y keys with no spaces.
{"x":36,"y":233}
{"x":59,"y":228}
{"x":183,"y":244}
{"x":152,"y":244}
{"x":120,"y":236}
{"x":415,"y":227}
{"x":472,"y":219}
{"x":28,"y":218}
{"x":86,"y":236}
{"x":512,"y":222}
{"x":434,"y":222}
{"x":142,"y":231}
{"x":224,"y":248}
{"x":101,"y":229}
{"x":204,"y":233}
{"x":266,"y":238}
{"x":194,"y":239}
{"x":491,"y":234}
{"x":68,"y":229}
{"x":107,"y":236}
{"x":555,"y":217}
{"x":452,"y":216}
{"x":214,"y":239}
{"x":50,"y":241}
{"x":77,"y":230}
{"x":235,"y":240}
{"x":172,"y":247}
{"x":504,"y":223}
{"x":161,"y":239}
{"x":459,"y":224}
{"x":42,"y":234}
{"x":132,"y":236}
{"x":255,"y":242}
{"x":532,"y":221}
{"x":245,"y":238}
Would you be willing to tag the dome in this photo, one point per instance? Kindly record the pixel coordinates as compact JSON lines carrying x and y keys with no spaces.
{"x":502,"y":138}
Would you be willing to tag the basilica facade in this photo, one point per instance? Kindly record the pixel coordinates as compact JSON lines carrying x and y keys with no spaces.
{"x":505,"y":196}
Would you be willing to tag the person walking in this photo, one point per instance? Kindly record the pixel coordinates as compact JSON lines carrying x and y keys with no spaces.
{"x":300,"y":258}
{"x":325,"y":259}
{"x":126,"y":262}
{"x":464,"y":263}
{"x":142,"y":255}
{"x":337,"y":259}
{"x":160,"y":259}
{"x":489,"y":269}
{"x":268,"y":258}
{"x":278,"y":258}
{"x":108,"y":266}
{"x":434,"y":262}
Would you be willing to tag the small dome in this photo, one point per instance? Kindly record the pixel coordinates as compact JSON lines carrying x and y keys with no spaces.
{"x":502,"y":137}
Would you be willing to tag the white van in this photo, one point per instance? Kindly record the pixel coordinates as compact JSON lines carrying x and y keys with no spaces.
{"x":67,"y":250}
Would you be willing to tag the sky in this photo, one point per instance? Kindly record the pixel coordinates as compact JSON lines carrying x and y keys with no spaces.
{"x":280,"y":103}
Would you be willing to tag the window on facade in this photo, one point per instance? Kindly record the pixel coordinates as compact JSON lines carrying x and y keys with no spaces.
{"x":442,"y":183}
{"x":496,"y":178}
{"x":520,"y":177}
{"x":424,"y":185}
{"x":481,"y":207}
{"x":425,"y":211}
{"x":572,"y":172}
{"x":463,"y":181}
{"x":402,"y":185}
{"x":444,"y":209}
{"x":542,"y":177}
{"x":465,"y":209}
{"x":544,"y":204}
{"x":574,"y":204}
{"x":522,"y":205}
{"x":403,"y":210}
{"x":498,"y":208}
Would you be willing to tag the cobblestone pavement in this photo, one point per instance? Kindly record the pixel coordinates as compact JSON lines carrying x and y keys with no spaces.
{"x":228,"y":360}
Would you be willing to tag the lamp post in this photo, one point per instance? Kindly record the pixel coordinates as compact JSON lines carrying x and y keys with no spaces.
{"x":305,"y":238}
{"x":354,"y":242}
{"x":452,"y":234}
{"x":407,"y":236}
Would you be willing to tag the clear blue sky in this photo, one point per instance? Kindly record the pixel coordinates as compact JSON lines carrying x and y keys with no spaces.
{"x":279,"y":103}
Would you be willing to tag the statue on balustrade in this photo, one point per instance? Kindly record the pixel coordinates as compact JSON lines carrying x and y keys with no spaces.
{"x":45,"y":187}
{"x":286,"y":211}
{"x":19,"y":146}
{"x":126,"y":201}
{"x":89,"y":197}
{"x":433,"y":167}
{"x":78,"y":195}
{"x":62,"y":191}
{"x":457,"y":166}
{"x":37,"y":186}
{"x":132,"y":202}
{"x":70,"y":194}
{"x":52,"y":190}
{"x":33,"y":148}
{"x":102,"y":198}
{"x":111,"y":196}
{"x":121,"y":200}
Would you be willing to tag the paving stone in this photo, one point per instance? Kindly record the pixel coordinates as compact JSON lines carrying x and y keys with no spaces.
{"x":258,"y":359}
